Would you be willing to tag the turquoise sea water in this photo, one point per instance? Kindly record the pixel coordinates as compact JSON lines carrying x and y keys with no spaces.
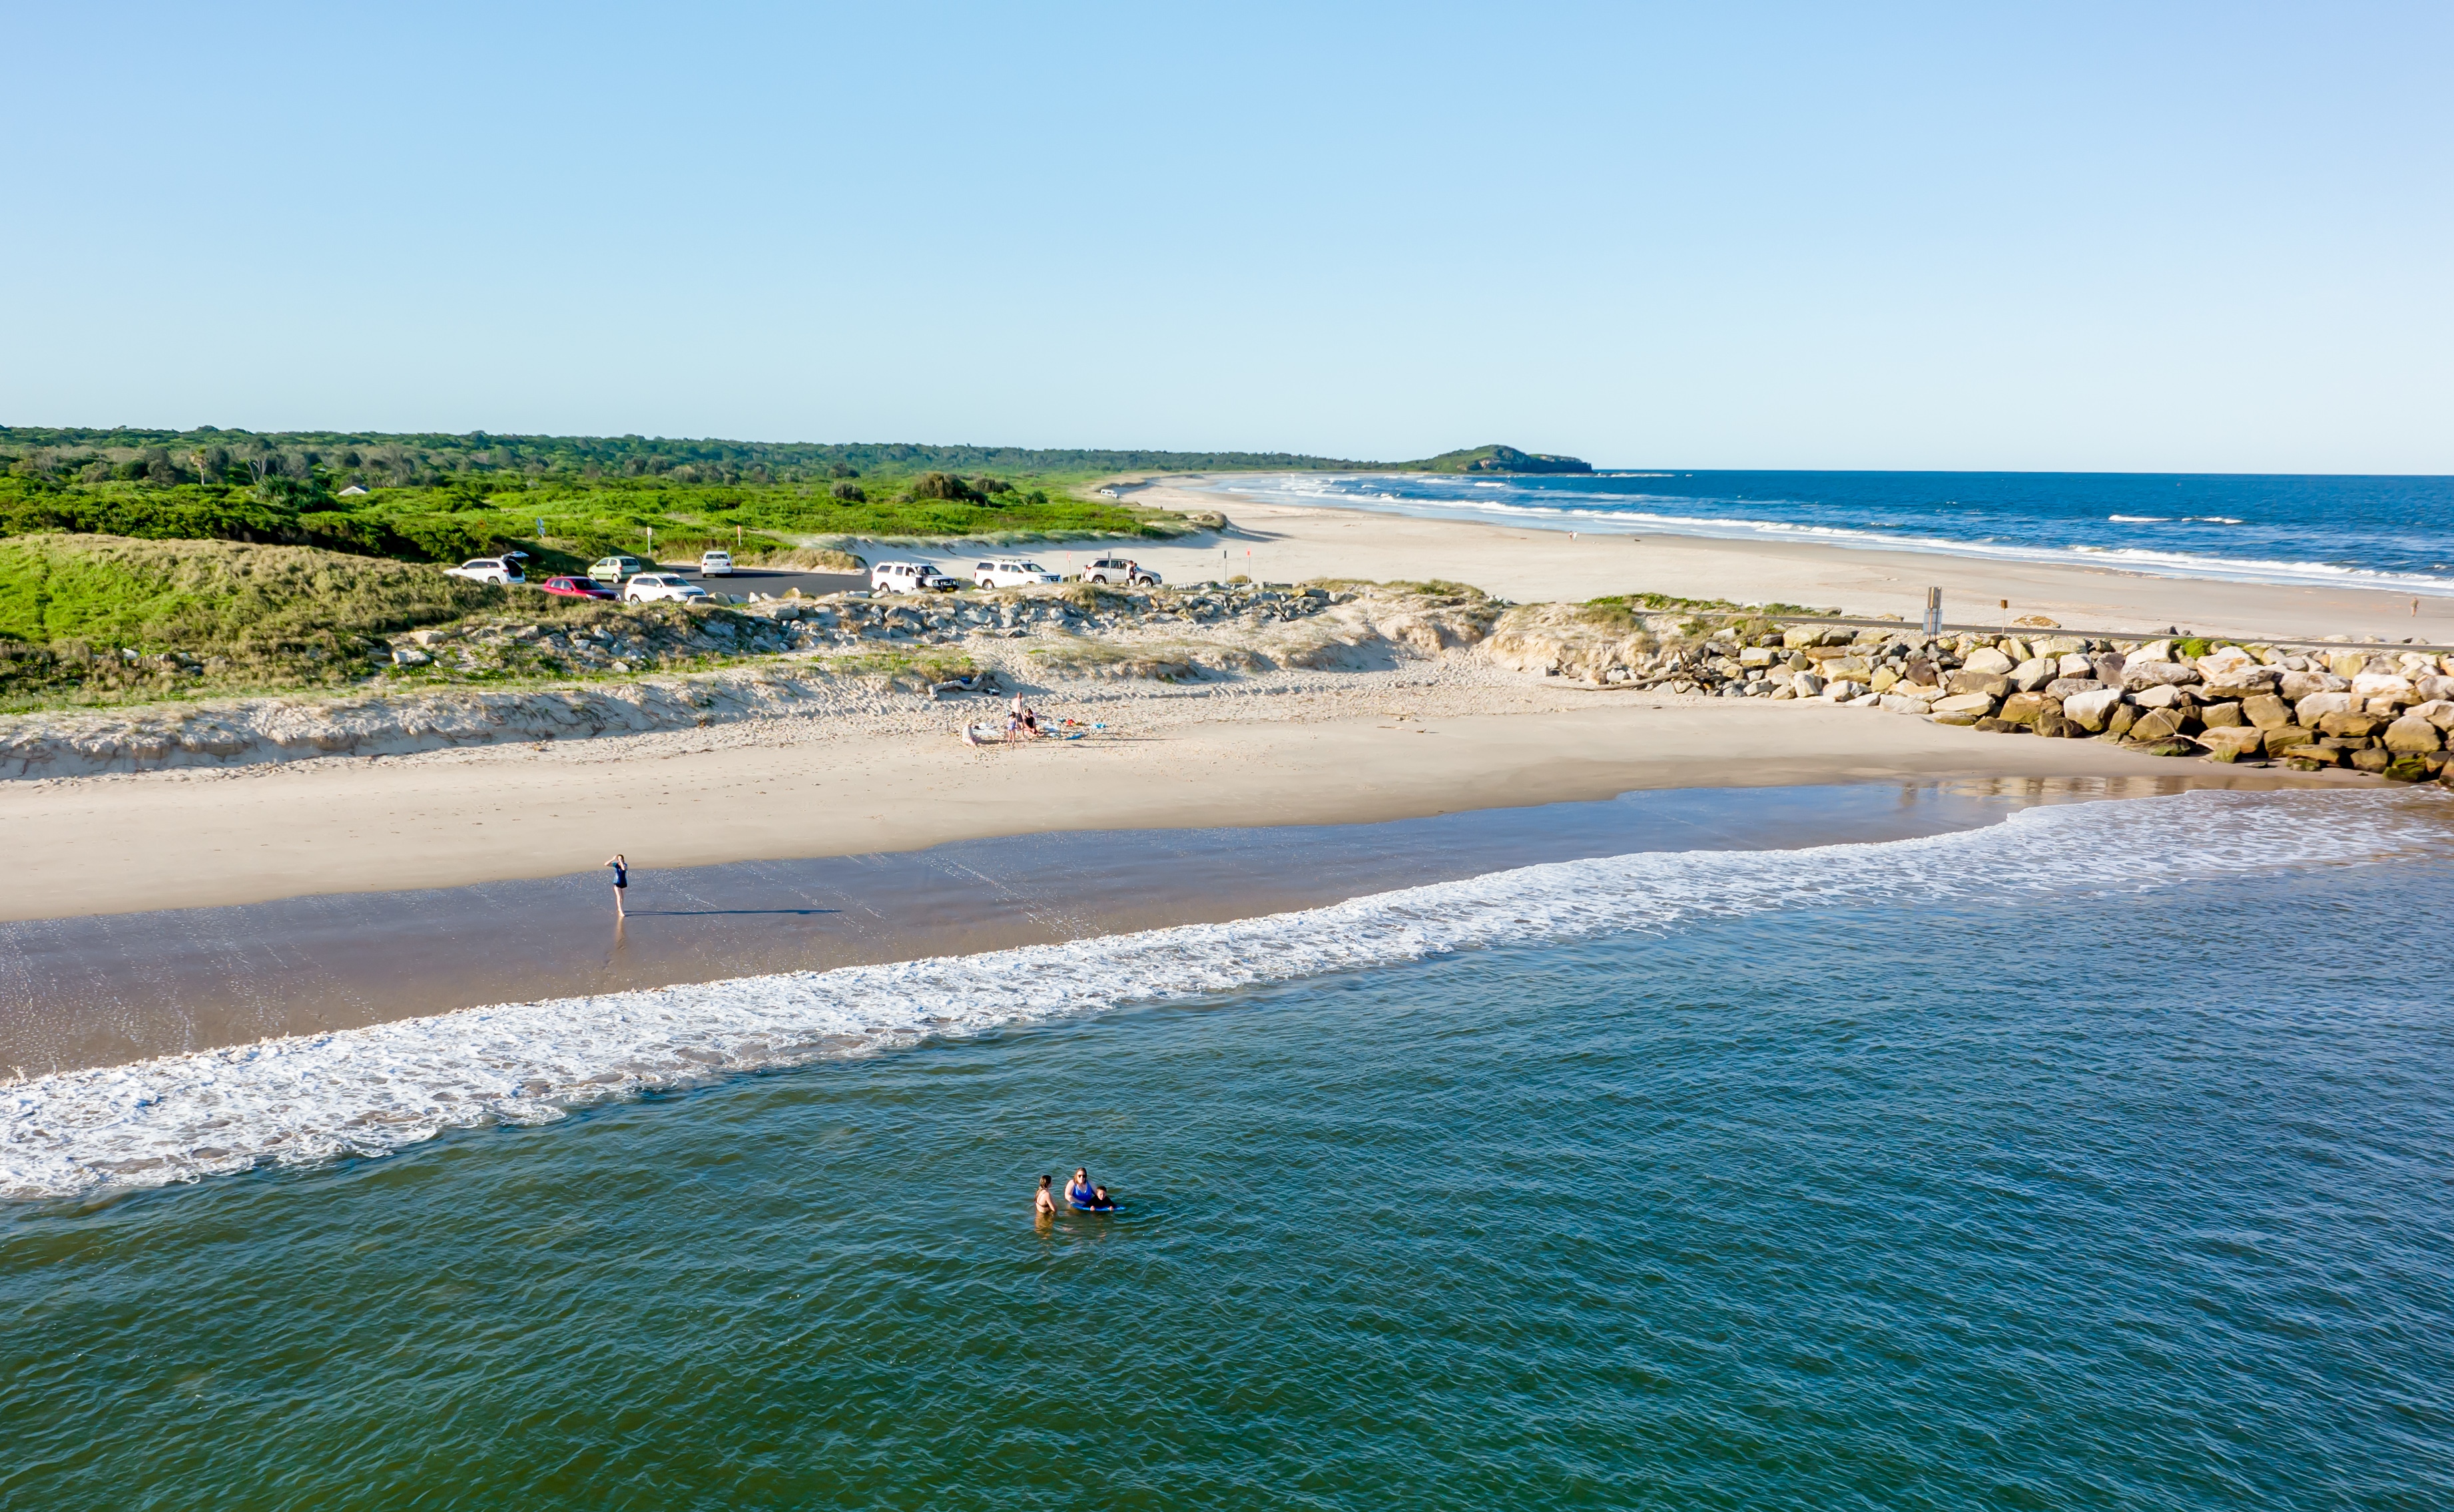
{"x":2104,"y":1159}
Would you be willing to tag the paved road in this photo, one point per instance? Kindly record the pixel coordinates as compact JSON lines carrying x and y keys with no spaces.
{"x":748,"y":580}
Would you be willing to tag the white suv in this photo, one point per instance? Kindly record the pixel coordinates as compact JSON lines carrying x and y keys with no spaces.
{"x":649,"y":586}
{"x":1010,"y":572}
{"x":488,"y":569}
{"x":1117,"y":570}
{"x":910,"y":577}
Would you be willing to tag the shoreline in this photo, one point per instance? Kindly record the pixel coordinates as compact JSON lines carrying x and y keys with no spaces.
{"x":109,"y":989}
{"x":1531,"y":562}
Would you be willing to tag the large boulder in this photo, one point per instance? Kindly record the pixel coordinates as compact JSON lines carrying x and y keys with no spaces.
{"x":2232,"y":742}
{"x":2074,"y":664}
{"x":2266,"y":711}
{"x":2431,"y":689}
{"x":2152,"y":651}
{"x":2409,"y":736}
{"x":2091,"y":709}
{"x":2072,"y":686}
{"x":2437,"y":712}
{"x":2383,"y":685}
{"x":2352,"y":724}
{"x":2022,"y":708}
{"x":2298,"y":685}
{"x":2216,"y":716}
{"x":2242,"y":684}
{"x":2285,"y":738}
{"x":2108,"y":667}
{"x":1903,"y":704}
{"x":2032,"y":675}
{"x":2225,"y":663}
{"x":2155,"y":724}
{"x":2061,"y":646}
{"x":2373,"y":760}
{"x":1986,"y":659}
{"x":1971,"y":680}
{"x":2137,"y":675}
{"x":1805,"y":684}
{"x":2318,"y":706}
{"x":1976,"y":703}
{"x":2348,"y":664}
{"x":2161,"y":696}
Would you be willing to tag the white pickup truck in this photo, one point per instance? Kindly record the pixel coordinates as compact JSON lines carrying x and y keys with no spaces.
{"x":910,"y":577}
{"x":488,"y":569}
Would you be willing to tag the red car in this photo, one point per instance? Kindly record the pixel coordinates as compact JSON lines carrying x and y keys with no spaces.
{"x":576,"y":588}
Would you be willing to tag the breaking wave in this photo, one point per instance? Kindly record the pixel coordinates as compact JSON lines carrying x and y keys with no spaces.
{"x":368,"y":1091}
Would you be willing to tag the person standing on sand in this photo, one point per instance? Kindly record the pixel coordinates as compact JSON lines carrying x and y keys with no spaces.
{"x":621,"y":882}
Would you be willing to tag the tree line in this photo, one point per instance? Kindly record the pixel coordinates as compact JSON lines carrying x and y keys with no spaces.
{"x":210,"y":454}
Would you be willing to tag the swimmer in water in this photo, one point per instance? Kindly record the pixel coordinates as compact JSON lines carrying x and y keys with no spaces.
{"x":1078,"y":1191}
{"x":1044,"y":1205}
{"x":1099,"y":1198}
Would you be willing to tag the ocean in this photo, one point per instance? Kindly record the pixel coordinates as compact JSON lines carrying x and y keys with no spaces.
{"x":2394,"y":533}
{"x":2096,"y":1155}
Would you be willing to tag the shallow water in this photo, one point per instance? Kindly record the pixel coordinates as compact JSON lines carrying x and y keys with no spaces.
{"x":2101,"y":1158}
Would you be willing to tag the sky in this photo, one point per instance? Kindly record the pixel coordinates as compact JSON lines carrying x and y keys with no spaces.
{"x":2086,"y":237}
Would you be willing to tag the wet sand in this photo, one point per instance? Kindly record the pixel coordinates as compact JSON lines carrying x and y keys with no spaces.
{"x":107,"y":989}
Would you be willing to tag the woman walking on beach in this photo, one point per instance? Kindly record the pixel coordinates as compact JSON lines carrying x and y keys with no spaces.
{"x":621,"y":882}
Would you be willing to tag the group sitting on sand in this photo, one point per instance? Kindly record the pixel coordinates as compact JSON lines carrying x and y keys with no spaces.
{"x":1081,"y":1195}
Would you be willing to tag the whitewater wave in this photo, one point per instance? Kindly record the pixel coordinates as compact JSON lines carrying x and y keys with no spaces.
{"x":367,"y":1091}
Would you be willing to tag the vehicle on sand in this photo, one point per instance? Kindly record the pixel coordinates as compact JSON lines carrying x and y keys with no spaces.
{"x":1120,"y":570}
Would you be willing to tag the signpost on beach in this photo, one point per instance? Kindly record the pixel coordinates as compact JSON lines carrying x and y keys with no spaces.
{"x":1933,"y":611}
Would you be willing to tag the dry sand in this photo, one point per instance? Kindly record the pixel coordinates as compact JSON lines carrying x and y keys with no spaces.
{"x":1290,"y":543}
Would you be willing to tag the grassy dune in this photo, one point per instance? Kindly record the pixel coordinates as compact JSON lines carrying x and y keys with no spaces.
{"x":97,"y":618}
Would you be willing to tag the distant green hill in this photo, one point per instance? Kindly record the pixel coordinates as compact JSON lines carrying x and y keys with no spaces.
{"x":1495,"y":459}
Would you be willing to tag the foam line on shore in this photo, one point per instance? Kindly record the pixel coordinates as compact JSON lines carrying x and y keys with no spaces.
{"x":368,"y":1091}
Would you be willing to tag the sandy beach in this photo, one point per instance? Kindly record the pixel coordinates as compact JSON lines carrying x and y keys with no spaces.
{"x":1428,"y":737}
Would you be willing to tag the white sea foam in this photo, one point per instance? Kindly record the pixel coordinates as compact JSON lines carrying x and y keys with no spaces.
{"x":367,"y":1091}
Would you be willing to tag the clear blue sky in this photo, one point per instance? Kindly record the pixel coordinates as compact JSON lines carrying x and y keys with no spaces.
{"x":2120,"y":236}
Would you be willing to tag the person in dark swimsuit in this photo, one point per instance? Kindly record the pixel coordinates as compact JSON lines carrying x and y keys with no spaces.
{"x":621,"y":882}
{"x":1101,"y":1201}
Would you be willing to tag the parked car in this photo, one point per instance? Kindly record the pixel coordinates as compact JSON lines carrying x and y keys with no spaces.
{"x":715,"y":563}
{"x":649,"y":586}
{"x":1118,"y":569}
{"x":567,"y":587}
{"x":910,"y":577}
{"x":1010,"y":572}
{"x":618,"y":568}
{"x":488,"y":569}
